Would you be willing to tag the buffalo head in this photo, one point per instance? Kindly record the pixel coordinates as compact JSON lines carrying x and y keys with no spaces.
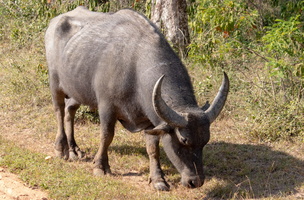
{"x":187,"y":132}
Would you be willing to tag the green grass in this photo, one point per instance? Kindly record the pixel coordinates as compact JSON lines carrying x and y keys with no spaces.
{"x":64,"y":180}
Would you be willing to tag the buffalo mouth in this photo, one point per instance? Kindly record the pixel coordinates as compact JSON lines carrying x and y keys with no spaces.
{"x":193,"y":181}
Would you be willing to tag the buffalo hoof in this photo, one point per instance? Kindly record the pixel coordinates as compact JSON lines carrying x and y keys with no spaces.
{"x":73,"y":156}
{"x":76,"y":154}
{"x":64,"y":154}
{"x":100,"y":172}
{"x":161,"y":186}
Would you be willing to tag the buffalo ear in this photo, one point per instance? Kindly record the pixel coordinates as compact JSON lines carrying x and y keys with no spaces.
{"x":206,"y":106}
{"x":160,"y":129}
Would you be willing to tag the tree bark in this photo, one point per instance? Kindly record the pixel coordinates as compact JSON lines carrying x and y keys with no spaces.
{"x":171,"y":17}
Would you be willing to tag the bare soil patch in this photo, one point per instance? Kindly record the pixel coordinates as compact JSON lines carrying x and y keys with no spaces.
{"x":11,"y":187}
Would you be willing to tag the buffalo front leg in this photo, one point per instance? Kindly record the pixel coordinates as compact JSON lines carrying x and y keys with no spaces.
{"x":156,"y":173}
{"x":70,"y":111}
{"x":107,"y":124}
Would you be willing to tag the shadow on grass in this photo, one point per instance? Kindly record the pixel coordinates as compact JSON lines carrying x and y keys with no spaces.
{"x":250,"y":171}
{"x":167,"y":167}
{"x":237,"y":170}
{"x":129,"y":150}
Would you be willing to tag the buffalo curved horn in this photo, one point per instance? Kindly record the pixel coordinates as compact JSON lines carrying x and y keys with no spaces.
{"x":218,"y":103}
{"x":163,"y":110}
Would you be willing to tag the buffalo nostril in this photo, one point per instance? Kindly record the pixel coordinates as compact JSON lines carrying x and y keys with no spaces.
{"x":191,"y":184}
{"x":193,"y":181}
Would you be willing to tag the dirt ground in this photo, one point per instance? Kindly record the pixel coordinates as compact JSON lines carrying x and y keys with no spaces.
{"x":11,"y":187}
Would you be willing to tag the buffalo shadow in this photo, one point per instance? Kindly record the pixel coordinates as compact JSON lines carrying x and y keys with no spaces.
{"x":240,"y":170}
{"x":251,"y":171}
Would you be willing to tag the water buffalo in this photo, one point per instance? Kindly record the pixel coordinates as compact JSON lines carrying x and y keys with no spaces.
{"x":122,"y":65}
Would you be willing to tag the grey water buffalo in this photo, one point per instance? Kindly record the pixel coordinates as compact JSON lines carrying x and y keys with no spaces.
{"x":120,"y":64}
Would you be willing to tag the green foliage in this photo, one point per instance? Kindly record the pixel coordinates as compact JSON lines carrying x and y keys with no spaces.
{"x":232,"y":35}
{"x":270,"y":10}
{"x":25,"y":21}
{"x":84,"y":113}
{"x":282,"y":48}
{"x":216,"y":25}
{"x":285,"y":38}
{"x":18,"y":12}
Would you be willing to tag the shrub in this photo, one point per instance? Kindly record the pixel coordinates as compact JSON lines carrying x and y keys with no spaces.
{"x":283,"y":111}
{"x":218,"y":28}
{"x":265,"y":62}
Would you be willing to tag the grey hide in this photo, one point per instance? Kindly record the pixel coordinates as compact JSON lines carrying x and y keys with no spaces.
{"x":120,"y":64}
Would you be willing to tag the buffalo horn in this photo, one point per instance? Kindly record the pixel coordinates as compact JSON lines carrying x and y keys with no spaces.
{"x":163,"y":110}
{"x":218,"y":103}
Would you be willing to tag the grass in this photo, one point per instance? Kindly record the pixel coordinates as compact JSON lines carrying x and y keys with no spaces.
{"x":237,"y":166}
{"x":62,"y":179}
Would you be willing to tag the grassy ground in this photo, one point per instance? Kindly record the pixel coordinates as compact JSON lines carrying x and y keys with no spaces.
{"x":236,"y":166}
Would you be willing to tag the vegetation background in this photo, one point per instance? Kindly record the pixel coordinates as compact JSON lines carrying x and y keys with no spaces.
{"x":256,"y":149}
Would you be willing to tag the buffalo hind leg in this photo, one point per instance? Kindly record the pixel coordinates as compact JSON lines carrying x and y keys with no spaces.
{"x":61,"y":144}
{"x":70,"y":111}
{"x":107,"y":125}
{"x":156,"y":173}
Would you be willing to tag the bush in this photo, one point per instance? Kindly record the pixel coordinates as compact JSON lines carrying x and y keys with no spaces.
{"x":218,"y":29}
{"x":283,"y":48}
{"x":265,"y":62}
{"x":283,"y":111}
{"x":272,"y":120}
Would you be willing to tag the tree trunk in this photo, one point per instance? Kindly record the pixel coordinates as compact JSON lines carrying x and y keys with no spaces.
{"x":171,"y":17}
